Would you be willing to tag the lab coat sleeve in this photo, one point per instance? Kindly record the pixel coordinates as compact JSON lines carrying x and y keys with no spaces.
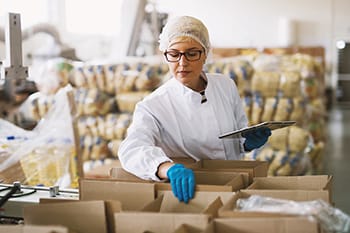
{"x":138,"y":152}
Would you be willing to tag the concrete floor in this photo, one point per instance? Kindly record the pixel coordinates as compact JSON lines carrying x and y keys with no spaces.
{"x":337,"y":155}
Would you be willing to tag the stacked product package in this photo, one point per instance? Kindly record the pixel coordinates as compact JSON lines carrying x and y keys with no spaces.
{"x":282,"y":88}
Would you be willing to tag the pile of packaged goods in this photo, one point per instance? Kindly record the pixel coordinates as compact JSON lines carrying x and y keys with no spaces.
{"x":105,"y":97}
{"x":281,"y":88}
{"x":272,"y":87}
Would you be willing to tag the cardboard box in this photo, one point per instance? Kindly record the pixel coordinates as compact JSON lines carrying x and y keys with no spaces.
{"x":292,"y":194}
{"x":77,"y":216}
{"x":136,"y":222}
{"x":118,"y":173}
{"x":212,"y":181}
{"x":199,"y":196}
{"x":252,"y":168}
{"x":103,"y":170}
{"x":205,"y":180}
{"x":133,"y":196}
{"x":258,"y":225}
{"x":203,"y":202}
{"x":33,"y":229}
{"x":165,"y":214}
{"x":315,"y":182}
{"x":229,"y":208}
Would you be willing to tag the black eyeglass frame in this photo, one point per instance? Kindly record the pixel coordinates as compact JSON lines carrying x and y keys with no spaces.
{"x":183,"y":54}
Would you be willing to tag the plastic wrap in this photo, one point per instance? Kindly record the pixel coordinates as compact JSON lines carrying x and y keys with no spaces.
{"x":42,"y":156}
{"x":330,"y":218}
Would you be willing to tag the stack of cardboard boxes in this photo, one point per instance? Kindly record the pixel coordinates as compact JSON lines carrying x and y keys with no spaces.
{"x":125,"y":204}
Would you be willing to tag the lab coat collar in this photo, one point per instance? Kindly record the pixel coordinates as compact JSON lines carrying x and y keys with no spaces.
{"x":193,"y":96}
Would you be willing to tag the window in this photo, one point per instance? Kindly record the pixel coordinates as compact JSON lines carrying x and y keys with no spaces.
{"x":95,"y":17}
{"x":32,"y":12}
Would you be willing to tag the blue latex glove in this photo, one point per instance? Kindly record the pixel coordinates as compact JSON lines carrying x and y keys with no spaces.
{"x":256,"y":138}
{"x":182,"y":182}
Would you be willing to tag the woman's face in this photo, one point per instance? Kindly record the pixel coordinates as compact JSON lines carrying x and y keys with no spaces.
{"x":185,"y":71}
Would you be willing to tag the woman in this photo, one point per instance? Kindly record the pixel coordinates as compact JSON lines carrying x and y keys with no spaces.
{"x":185,"y":116}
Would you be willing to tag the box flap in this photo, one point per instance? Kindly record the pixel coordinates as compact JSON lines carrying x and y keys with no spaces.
{"x":311,"y":182}
{"x":140,"y":222}
{"x":128,"y":193}
{"x":33,"y":229}
{"x":203,"y":202}
{"x":186,"y":228}
{"x":271,"y":225}
{"x":294,"y":195}
{"x":254,"y":168}
{"x":81,"y":216}
{"x":119,"y":173}
{"x":153,"y":206}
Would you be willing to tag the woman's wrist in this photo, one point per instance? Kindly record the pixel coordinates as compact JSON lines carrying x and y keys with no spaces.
{"x":163,"y":169}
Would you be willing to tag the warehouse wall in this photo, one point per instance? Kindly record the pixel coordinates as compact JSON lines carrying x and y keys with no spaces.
{"x":238,"y":23}
{"x":256,"y":23}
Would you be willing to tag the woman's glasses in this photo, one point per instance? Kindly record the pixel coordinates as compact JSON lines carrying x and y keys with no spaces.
{"x":175,"y":56}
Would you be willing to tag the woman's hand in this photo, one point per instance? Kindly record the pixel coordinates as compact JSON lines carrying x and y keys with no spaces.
{"x":256,"y":138}
{"x":181,"y":179}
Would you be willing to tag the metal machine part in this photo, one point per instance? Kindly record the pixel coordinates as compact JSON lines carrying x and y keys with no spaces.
{"x":13,"y":72}
{"x":13,"y":202}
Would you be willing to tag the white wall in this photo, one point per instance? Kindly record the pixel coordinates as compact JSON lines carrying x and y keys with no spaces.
{"x":240,"y":23}
{"x":245,"y":23}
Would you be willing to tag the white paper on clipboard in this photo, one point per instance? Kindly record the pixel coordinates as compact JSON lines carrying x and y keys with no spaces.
{"x":268,"y":124}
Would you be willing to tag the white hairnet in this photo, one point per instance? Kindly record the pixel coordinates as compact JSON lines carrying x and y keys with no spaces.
{"x":184,"y":26}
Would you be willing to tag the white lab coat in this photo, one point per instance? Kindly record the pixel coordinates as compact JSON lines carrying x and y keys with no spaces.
{"x":172,"y":122}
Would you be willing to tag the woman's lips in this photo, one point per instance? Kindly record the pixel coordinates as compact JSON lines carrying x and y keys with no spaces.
{"x":183,"y":72}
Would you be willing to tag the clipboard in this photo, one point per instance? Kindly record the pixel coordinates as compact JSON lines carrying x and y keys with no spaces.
{"x":272,"y":125}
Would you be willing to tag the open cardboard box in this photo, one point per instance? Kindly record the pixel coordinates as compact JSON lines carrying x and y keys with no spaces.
{"x":221,"y":181}
{"x":314,"y":182}
{"x":77,"y":216}
{"x":291,"y":194}
{"x":133,"y":196}
{"x":249,"y":169}
{"x":229,"y":207}
{"x":252,"y":168}
{"x":212,"y":181}
{"x":33,"y":229}
{"x":166,"y":213}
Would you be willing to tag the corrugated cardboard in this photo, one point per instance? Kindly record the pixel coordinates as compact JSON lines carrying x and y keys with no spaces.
{"x":229,"y":208}
{"x":213,"y":181}
{"x":258,"y":225}
{"x":315,"y":182}
{"x":249,"y":169}
{"x":33,"y":229}
{"x":186,"y":228}
{"x":200,"y":198}
{"x":78,"y":216}
{"x":293,"y":194}
{"x":118,"y":173}
{"x":253,"y":168}
{"x":128,"y":222}
{"x":133,"y":196}
{"x":205,"y":180}
{"x":166,"y":213}
{"x":203,"y":202}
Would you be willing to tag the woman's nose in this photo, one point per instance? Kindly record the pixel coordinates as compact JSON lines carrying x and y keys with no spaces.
{"x":183,"y":60}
